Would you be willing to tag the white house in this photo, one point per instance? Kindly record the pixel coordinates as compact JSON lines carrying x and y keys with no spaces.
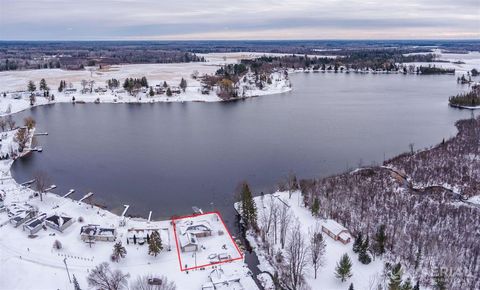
{"x":97,"y":233}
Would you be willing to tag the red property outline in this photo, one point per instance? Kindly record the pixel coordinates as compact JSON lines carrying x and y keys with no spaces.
{"x":206,"y":265}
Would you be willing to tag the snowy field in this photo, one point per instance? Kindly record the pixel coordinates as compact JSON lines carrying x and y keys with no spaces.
{"x":470,"y":61}
{"x":14,"y":83}
{"x":364,"y":276}
{"x":22,"y":256}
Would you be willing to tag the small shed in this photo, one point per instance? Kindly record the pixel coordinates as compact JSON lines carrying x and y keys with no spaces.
{"x":336,"y":231}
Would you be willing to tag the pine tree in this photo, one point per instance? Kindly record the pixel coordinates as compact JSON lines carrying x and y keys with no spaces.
{"x":169,"y":92}
{"x":154,"y":244}
{"x":358,"y":243}
{"x":249,"y":209}
{"x":363,"y":255}
{"x":315,"y":207}
{"x":119,"y":251}
{"x":165,"y":85}
{"x":439,"y":280}
{"x":344,"y":268}
{"x":183,"y":84}
{"x":151,"y":93}
{"x":380,"y":240}
{"x":395,"y":277}
{"x":31,"y":86}
{"x":61,"y":86}
{"x":76,"y":286}
{"x":351,"y":287}
{"x":43,"y":85}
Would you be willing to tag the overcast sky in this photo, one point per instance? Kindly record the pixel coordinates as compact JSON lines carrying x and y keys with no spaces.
{"x":238,"y":19}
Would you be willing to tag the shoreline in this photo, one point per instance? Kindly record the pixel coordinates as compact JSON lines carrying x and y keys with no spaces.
{"x":461,"y":107}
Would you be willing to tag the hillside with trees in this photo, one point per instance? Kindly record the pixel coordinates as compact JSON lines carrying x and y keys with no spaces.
{"x":428,"y":228}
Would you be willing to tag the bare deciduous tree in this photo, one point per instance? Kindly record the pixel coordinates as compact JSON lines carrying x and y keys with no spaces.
{"x":41,"y":182}
{"x":10,"y":122}
{"x":102,"y":277}
{"x":296,"y":259}
{"x":284,"y":220}
{"x":317,"y":248}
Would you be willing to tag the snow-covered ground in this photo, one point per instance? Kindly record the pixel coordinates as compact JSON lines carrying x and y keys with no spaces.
{"x":11,"y":82}
{"x":364,"y":276}
{"x":23,"y":257}
{"x":468,"y":61}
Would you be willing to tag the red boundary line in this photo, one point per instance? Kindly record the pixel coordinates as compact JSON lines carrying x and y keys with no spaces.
{"x":213,"y":263}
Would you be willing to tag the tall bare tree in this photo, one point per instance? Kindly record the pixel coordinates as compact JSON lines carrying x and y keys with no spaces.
{"x":102,"y":277}
{"x":296,"y":259}
{"x":284,"y":220}
{"x":41,"y":182}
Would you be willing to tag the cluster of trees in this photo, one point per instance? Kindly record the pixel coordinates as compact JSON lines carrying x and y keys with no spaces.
{"x":133,"y":85}
{"x":378,"y":59}
{"x":412,"y":220}
{"x":113,"y":84}
{"x":469,"y":99}
{"x":433,"y":70}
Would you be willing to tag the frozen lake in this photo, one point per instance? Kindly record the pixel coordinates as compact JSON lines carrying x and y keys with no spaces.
{"x":169,"y":157}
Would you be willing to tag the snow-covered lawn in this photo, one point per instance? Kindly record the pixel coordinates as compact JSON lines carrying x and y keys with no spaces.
{"x":364,"y":276}
{"x":32,"y":262}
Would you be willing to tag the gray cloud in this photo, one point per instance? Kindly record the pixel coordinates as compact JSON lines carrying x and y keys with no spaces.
{"x":184,"y":19}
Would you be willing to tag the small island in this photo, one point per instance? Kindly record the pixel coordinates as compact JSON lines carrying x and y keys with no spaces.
{"x":470,"y":100}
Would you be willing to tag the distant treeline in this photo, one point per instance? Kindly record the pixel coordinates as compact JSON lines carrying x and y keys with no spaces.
{"x":383,"y":60}
{"x":470,"y":99}
{"x":76,"y":57}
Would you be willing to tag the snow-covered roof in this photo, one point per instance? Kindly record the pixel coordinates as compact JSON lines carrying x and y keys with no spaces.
{"x":187,"y":239}
{"x":195,"y":227}
{"x":58,"y":219}
{"x":333,"y":226}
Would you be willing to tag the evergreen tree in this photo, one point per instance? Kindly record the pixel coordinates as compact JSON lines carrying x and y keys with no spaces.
{"x":407,"y":285}
{"x":155,"y":244}
{"x":43,"y":85}
{"x":119,"y":251}
{"x":61,"y":86}
{"x":358,"y":243}
{"x":363,"y":255}
{"x":395,"y":277}
{"x":76,"y":286}
{"x":31,"y":86}
{"x":183,"y":84}
{"x":169,"y":92}
{"x":165,"y":85}
{"x":439,"y":280}
{"x":315,"y":207}
{"x":380,"y":240}
{"x":151,"y":93}
{"x":249,"y":209}
{"x":344,"y":268}
{"x":351,"y":287}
